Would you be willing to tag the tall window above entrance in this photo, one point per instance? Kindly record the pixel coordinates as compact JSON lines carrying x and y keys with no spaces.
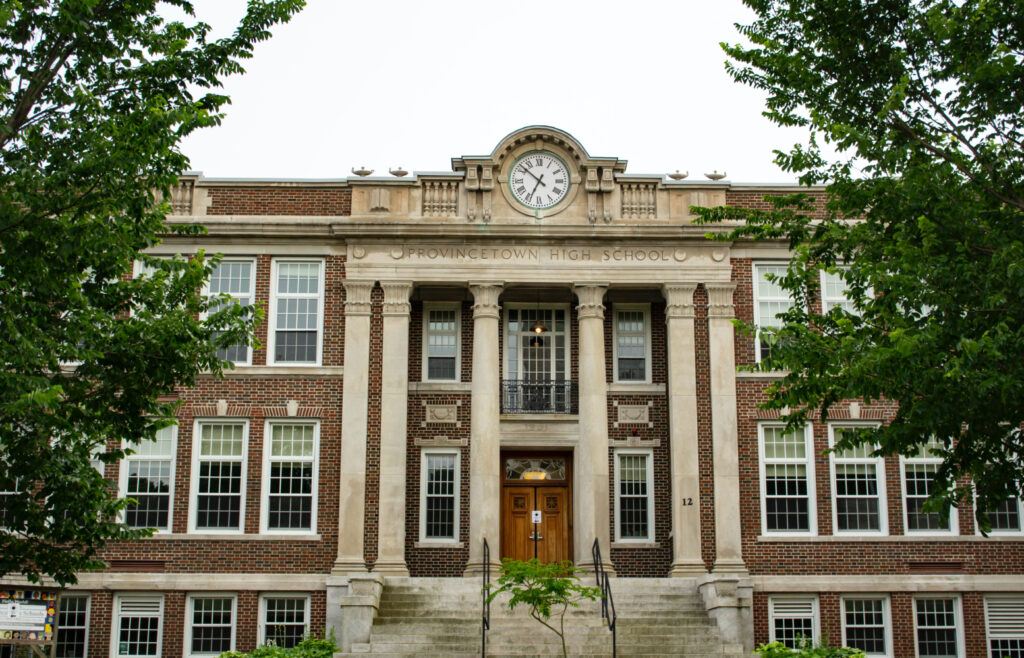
{"x":537,"y":361}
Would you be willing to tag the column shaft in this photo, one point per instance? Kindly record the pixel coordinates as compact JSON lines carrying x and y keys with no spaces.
{"x":484,"y":434}
{"x":393,"y":420}
{"x":682,"y":401}
{"x":354,"y":415}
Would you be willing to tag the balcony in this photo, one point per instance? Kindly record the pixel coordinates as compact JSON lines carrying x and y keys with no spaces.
{"x":538,"y":397}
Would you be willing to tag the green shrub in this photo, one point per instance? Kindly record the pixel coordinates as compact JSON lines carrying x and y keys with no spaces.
{"x":308,"y":648}
{"x":806,"y":650}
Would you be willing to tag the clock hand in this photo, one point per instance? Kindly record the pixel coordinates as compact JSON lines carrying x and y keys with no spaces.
{"x":533,"y":174}
{"x":540,"y":181}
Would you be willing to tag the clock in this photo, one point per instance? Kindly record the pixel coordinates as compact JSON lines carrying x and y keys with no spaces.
{"x":539,"y":180}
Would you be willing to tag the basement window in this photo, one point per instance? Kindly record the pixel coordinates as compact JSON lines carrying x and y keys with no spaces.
{"x":937,"y":627}
{"x":73,"y":627}
{"x":137,"y":626}
{"x":634,"y":499}
{"x":439,"y":495}
{"x":793,"y":620}
{"x":1004,"y":626}
{"x":284,"y":619}
{"x":211,"y":628}
{"x":866,"y":624}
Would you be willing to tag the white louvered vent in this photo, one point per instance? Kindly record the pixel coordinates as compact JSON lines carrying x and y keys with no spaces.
{"x":1005,"y":617}
{"x":793,"y":607}
{"x":140,"y":606}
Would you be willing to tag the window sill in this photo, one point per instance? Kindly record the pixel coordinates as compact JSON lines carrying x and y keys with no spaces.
{"x":238,"y":536}
{"x":539,"y":418}
{"x":638,"y":388}
{"x":438,"y":544}
{"x":284,"y":371}
{"x":440,"y":387}
{"x":761,"y":374}
{"x":635,"y":544}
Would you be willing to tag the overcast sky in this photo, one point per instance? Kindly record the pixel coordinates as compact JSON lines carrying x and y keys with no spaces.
{"x":414,"y":83}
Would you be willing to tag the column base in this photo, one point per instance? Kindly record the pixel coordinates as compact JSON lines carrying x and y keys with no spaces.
{"x":588,"y":567}
{"x":730,"y":568}
{"x":477,"y":569}
{"x":688,"y":569}
{"x":346,"y":565}
{"x":396,"y":569}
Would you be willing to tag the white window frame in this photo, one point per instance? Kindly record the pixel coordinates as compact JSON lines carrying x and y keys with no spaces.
{"x":827,"y":304}
{"x":115,"y":627}
{"x":756,"y":269}
{"x":272,"y":313}
{"x":193,"y":495}
{"x":88,"y":611}
{"x":252,"y":293}
{"x":648,"y":362}
{"x":122,"y":479}
{"x":506,"y":356}
{"x":886,"y":619}
{"x":189,"y":620}
{"x":954,"y":518}
{"x":649,"y":453}
{"x":808,"y":461}
{"x":958,"y":619}
{"x":265,"y":487}
{"x":879,"y":464}
{"x":442,"y":306}
{"x":261,"y":621}
{"x":815,"y":614}
{"x":991,"y":634}
{"x":1002,"y":532}
{"x":423,"y":495}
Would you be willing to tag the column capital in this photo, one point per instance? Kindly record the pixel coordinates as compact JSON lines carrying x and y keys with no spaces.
{"x":678,"y":300}
{"x":485,"y":298}
{"x":396,"y":297}
{"x":357,"y":296}
{"x":591,"y":297}
{"x":720,"y":299}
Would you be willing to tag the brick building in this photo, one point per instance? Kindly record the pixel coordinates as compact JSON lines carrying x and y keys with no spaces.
{"x":443,"y":354}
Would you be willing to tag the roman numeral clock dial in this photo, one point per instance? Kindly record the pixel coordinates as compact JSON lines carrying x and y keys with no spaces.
{"x":539,"y":180}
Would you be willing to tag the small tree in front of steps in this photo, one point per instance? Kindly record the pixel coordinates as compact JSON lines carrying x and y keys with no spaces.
{"x":544,"y":589}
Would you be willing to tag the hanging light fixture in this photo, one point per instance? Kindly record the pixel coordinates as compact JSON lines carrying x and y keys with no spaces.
{"x":538,"y":327}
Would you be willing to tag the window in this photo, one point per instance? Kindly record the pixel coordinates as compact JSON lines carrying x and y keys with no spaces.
{"x":858,"y":487}
{"x":147,"y":476}
{"x":284,"y":620}
{"x":1005,"y":518}
{"x":441,"y":327}
{"x":211,"y":625}
{"x":8,"y":494}
{"x":1004,"y":626}
{"x":439,"y":495}
{"x":937,"y":623}
{"x":787,"y":471}
{"x":835,"y":292}
{"x":296,"y":310}
{"x":73,"y":627}
{"x":770,"y":299}
{"x":634,"y":503}
{"x":236,"y":278}
{"x":137,"y":626}
{"x":918,"y":479}
{"x":632,"y":343}
{"x":218,"y":482}
{"x":793,"y":620}
{"x":866,"y":625}
{"x":290,"y":477}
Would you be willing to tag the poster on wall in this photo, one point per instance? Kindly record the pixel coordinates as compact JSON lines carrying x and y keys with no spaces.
{"x":27,"y":615}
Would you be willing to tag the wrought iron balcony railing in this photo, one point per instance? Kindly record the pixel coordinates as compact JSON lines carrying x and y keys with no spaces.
{"x":520,"y":396}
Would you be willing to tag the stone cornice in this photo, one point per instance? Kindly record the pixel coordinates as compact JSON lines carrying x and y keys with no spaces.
{"x":357,"y":297}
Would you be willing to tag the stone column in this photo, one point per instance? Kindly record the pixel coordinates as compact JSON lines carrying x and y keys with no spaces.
{"x":591,"y":464}
{"x":728,"y":543}
{"x":682,"y":413}
{"x":354,"y":412}
{"x":484,"y":433}
{"x":393,"y":416}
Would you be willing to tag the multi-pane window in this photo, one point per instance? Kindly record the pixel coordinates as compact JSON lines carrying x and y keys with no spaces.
{"x":787,"y":471}
{"x":441,"y":325}
{"x":834,"y":293}
{"x":793,"y":620}
{"x":297,"y":311}
{"x":632,"y":344}
{"x":137,"y":626}
{"x":634,"y":514}
{"x":147,"y":477}
{"x":237,"y":279}
{"x":73,"y":627}
{"x":919,"y":474}
{"x":290,"y":472}
{"x":770,"y":299}
{"x":218,"y":476}
{"x":1004,"y":626}
{"x":1006,"y":516}
{"x":858,"y":487}
{"x":8,"y":492}
{"x":937,"y":624}
{"x":211,"y":629}
{"x":284,"y":620}
{"x":866,"y":625}
{"x":439,"y":498}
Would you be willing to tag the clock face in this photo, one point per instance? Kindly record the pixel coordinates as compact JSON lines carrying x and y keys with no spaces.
{"x":539,"y":180}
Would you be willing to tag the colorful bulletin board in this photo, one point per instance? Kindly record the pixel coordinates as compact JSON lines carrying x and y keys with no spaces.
{"x":28,"y":615}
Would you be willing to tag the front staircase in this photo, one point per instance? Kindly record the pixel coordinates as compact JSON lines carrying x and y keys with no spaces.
{"x":441,"y":617}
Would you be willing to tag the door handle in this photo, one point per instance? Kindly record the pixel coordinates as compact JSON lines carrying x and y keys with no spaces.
{"x":536,"y":536}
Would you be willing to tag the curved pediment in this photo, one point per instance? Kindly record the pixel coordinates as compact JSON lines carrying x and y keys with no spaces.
{"x":538,"y":137}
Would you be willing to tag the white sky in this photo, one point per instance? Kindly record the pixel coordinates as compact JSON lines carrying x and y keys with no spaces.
{"x":383,"y":83}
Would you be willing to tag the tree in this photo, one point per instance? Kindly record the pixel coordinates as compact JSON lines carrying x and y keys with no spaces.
{"x":97,"y":96}
{"x":922,"y":101}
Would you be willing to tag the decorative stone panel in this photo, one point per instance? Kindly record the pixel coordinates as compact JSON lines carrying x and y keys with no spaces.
{"x":633,"y":414}
{"x":441,"y":414}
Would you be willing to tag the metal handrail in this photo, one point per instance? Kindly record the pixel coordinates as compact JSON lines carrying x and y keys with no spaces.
{"x":538,"y":396}
{"x":607,"y":602}
{"x":485,"y":604}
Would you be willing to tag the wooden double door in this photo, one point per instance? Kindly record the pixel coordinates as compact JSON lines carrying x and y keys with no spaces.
{"x":532,"y":484}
